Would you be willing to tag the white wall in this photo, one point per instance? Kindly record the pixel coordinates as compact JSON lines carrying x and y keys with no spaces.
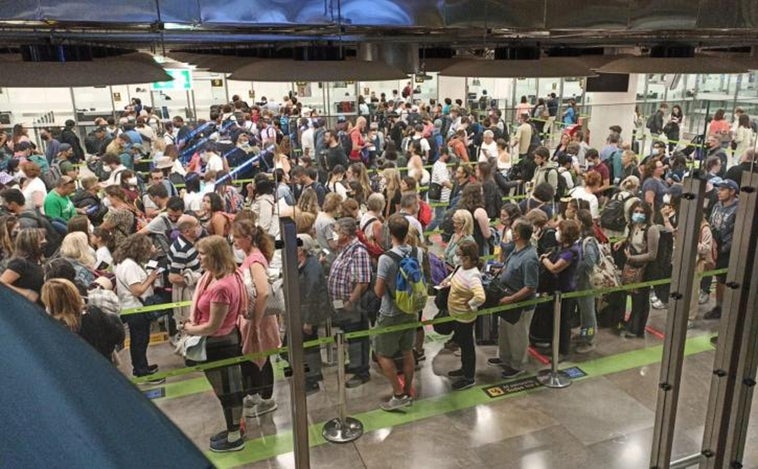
{"x":452,"y":87}
{"x":609,"y":109}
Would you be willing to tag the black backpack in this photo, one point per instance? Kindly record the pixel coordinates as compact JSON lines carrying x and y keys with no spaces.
{"x":613,"y":217}
{"x":562,"y":190}
{"x":535,"y":141}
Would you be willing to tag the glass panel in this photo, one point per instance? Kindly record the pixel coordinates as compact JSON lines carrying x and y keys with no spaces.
{"x":311,"y":94}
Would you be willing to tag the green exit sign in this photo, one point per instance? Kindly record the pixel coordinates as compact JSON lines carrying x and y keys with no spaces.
{"x":182,"y":80}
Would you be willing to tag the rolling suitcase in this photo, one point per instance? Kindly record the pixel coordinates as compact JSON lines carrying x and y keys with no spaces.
{"x":485,"y":330}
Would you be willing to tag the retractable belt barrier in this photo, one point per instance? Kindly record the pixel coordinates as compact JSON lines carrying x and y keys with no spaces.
{"x":385,"y":330}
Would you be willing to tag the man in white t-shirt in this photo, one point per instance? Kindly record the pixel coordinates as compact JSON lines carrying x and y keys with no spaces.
{"x":213,"y":160}
{"x":113,"y":163}
{"x":489,"y":147}
{"x":418,"y":135}
{"x":441,"y":176}
{"x":409,"y":208}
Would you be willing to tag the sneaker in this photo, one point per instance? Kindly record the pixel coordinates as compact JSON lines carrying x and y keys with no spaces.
{"x":356,"y":381}
{"x":463,"y":383}
{"x":510,"y":373}
{"x":419,"y":355}
{"x":715,"y":313}
{"x":658,"y":304}
{"x":455,"y":373}
{"x":222,"y":435}
{"x":152,"y":368}
{"x":312,"y":388}
{"x":495,"y":362}
{"x":226,"y":446}
{"x":263,"y":407}
{"x":396,"y":403}
{"x":585,"y":348}
{"x":251,"y":400}
{"x":703,"y":298}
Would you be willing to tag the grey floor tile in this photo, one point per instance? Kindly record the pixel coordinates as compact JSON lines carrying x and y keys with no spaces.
{"x":553,"y":447}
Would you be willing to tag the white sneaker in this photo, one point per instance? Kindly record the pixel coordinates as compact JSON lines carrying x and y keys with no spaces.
{"x":396,"y":403}
{"x":263,"y":407}
{"x":703,"y":298}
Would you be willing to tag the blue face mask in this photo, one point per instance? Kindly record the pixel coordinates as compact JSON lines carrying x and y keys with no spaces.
{"x":638,"y":218}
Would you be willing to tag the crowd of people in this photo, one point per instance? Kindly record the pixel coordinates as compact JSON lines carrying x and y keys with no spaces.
{"x":405,"y":201}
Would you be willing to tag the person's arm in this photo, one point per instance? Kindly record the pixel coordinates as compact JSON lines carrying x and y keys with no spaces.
{"x":484,"y":222}
{"x":260,"y":280}
{"x":650,"y":198}
{"x":176,"y":279}
{"x":9,"y":277}
{"x":217,"y":316}
{"x":139,"y":289}
{"x":39,"y":199}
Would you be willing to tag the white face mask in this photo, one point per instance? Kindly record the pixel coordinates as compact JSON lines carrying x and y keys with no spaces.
{"x":667,"y":199}
{"x":558,"y":235}
{"x":132,"y":181}
{"x":335,"y":237}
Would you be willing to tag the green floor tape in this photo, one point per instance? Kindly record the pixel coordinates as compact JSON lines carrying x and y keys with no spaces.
{"x":274,"y":445}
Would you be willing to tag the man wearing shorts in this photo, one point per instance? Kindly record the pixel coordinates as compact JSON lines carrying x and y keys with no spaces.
{"x":389,"y":345}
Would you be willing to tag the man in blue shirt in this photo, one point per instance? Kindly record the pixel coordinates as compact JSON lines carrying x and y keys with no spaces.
{"x":520,"y":277}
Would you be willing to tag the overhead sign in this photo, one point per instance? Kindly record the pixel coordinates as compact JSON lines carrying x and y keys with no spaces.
{"x":182,"y":80}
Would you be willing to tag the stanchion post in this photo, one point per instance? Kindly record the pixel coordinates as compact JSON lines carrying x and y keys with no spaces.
{"x":342,"y":429}
{"x":553,"y":378}
{"x":296,"y":353}
{"x":329,"y":347}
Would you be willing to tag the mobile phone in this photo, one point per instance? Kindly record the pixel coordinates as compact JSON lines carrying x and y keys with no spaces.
{"x":151,"y":264}
{"x":160,"y":270}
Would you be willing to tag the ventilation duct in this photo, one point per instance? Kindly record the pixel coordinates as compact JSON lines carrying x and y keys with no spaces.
{"x":326,"y":70}
{"x":519,"y":62}
{"x":673,"y":59}
{"x":403,"y":57}
{"x":127,"y":69}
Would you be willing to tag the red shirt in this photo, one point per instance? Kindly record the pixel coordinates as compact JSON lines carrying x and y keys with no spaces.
{"x":358,"y":142}
{"x":226,"y":291}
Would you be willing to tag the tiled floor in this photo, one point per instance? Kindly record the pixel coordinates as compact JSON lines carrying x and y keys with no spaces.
{"x":602,"y":421}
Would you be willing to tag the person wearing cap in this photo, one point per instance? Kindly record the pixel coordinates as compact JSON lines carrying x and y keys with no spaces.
{"x":715,"y":149}
{"x":314,"y":304}
{"x":58,"y":202}
{"x":69,"y":135}
{"x":722,"y":221}
{"x":51,"y":144}
{"x":63,"y":161}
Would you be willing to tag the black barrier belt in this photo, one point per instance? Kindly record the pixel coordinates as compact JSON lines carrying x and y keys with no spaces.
{"x":394,"y":328}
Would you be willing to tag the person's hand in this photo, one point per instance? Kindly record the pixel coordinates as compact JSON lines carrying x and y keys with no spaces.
{"x":627,"y":252}
{"x":617,"y":245}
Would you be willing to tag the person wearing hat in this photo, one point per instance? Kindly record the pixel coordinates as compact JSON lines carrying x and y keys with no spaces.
{"x":62,"y":160}
{"x":69,"y":135}
{"x":58,"y":202}
{"x":314,"y":304}
{"x":722,"y":221}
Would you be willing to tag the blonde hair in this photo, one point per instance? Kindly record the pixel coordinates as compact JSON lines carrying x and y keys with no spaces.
{"x":468,"y":221}
{"x":218,"y":254}
{"x":63,"y":302}
{"x":76,"y":246}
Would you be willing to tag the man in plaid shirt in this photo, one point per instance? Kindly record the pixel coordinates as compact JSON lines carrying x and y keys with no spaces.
{"x":349,"y":277}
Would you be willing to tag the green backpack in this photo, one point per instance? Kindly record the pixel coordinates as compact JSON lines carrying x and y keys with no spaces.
{"x":410,"y":287}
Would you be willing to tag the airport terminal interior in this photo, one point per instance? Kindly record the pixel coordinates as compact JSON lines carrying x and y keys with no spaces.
{"x":229,"y":102}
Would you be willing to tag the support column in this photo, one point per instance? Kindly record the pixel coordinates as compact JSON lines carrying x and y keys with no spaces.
{"x":734,"y":369}
{"x":682,"y":289}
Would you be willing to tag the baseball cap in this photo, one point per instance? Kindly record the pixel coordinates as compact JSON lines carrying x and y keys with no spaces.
{"x":729,"y":184}
{"x":309,"y":244}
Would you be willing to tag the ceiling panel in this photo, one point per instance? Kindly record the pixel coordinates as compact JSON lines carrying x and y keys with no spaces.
{"x":103,"y":11}
{"x":508,"y":14}
{"x":582,"y":14}
{"x":663,"y":14}
{"x":728,"y":14}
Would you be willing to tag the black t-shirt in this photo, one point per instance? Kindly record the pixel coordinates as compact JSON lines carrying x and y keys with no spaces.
{"x":31,"y":276}
{"x":335,"y":156}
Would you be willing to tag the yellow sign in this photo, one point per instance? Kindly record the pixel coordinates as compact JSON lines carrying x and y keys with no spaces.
{"x":117,"y":97}
{"x":217,"y":82}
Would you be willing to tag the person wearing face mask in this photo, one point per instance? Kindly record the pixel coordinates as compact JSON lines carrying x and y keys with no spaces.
{"x":662,"y":266}
{"x":520,"y":276}
{"x":640,"y":249}
{"x":653,"y":187}
{"x":184,"y":269}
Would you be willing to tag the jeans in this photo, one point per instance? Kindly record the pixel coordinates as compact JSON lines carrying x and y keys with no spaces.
{"x":312,"y":358}
{"x":587,"y":315}
{"x":439,"y":214}
{"x":139,"y":337}
{"x":464,"y":337}
{"x":564,"y":343}
{"x":357,"y":349}
{"x":640,"y":312}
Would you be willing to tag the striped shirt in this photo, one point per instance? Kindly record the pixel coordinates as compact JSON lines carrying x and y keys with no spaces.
{"x":466,"y":294}
{"x":183,"y":256}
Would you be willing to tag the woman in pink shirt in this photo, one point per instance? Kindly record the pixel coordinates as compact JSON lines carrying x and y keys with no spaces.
{"x":261,"y":332}
{"x":219,"y":301}
{"x":720,"y":127}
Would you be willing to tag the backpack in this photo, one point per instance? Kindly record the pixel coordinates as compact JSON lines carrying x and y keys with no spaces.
{"x":51,"y":177}
{"x":604,"y":273}
{"x":562,"y":190}
{"x":613,"y":217}
{"x":609,"y":163}
{"x":447,"y":225}
{"x":650,"y":124}
{"x":410,"y":287}
{"x":435,"y":143}
{"x":345,"y":141}
{"x":372,"y":246}
{"x":535,"y":141}
{"x":424,"y":214}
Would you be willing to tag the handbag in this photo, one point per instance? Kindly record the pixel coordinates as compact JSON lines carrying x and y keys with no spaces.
{"x":193,"y":348}
{"x":444,"y":328}
{"x":274,"y":301}
{"x":632,"y":274}
{"x":435,"y":191}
